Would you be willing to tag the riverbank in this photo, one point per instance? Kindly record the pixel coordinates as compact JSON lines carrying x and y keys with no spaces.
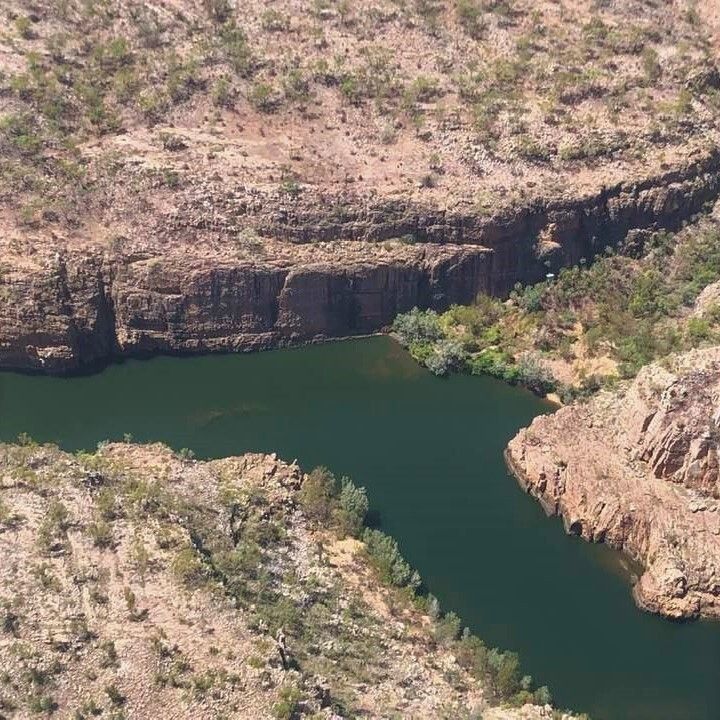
{"x":589,"y":327}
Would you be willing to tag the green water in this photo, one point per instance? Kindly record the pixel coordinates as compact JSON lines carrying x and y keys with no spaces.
{"x":430,"y":453}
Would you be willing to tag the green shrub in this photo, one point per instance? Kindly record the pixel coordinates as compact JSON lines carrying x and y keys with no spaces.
{"x":353,"y":507}
{"x":42,"y":704}
{"x":23,"y":25}
{"x":475,"y":318}
{"x":106,"y":504}
{"x":418,"y":326}
{"x":22,"y":133}
{"x":385,"y":556}
{"x":543,"y":696}
{"x":651,"y":64}
{"x":113,"y":55}
{"x":186,"y":454}
{"x":114,"y":695}
{"x":318,"y":494}
{"x":235,"y":47}
{"x":188,"y":569}
{"x":219,"y":11}
{"x":472,"y":654}
{"x":447,"y":628}
{"x":101,"y":533}
{"x":470,"y":16}
{"x":534,"y":376}
{"x":497,"y":363}
{"x":649,"y":295}
{"x":274,"y":21}
{"x":296,"y":86}
{"x":222,"y":92}
{"x":505,"y":669}
{"x":286,"y":707}
{"x":446,"y":356}
{"x":421,"y":90}
{"x":698,"y":330}
{"x":10,"y":619}
{"x":54,"y":526}
{"x":529,"y":298}
{"x":110,"y":658}
{"x":263,"y":97}
{"x":531,"y":149}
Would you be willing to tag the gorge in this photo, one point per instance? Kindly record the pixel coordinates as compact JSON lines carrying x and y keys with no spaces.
{"x":521,"y":189}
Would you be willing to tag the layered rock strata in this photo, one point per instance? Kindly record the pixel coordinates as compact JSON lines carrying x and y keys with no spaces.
{"x":187,"y":280}
{"x":638,"y":470}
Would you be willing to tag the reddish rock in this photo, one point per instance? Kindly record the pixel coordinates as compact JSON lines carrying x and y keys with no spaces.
{"x":638,"y":469}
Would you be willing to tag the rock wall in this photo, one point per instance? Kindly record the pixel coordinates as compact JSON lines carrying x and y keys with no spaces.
{"x":638,"y":469}
{"x":184,"y":288}
{"x":579,"y":226}
{"x":73,"y":310}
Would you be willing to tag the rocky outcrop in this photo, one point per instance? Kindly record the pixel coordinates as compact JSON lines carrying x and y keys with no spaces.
{"x":638,"y":470}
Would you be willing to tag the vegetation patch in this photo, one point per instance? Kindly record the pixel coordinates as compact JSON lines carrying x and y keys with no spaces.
{"x":586,"y":328}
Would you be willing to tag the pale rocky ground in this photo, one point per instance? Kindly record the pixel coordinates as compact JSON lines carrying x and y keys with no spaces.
{"x":637,"y":468}
{"x":499,"y":100}
{"x":108,"y":608}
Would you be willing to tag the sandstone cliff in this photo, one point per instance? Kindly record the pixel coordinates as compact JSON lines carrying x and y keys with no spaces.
{"x":136,"y":583}
{"x":185,"y":279}
{"x":638,"y":470}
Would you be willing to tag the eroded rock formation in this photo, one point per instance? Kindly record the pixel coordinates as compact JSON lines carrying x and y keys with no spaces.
{"x":638,"y":469}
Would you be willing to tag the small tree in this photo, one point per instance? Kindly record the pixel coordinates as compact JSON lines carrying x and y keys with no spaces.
{"x":433,"y":606}
{"x":317,"y":494}
{"x":353,"y":507}
{"x":507,"y":679}
{"x":386,"y":556}
{"x":448,"y":628}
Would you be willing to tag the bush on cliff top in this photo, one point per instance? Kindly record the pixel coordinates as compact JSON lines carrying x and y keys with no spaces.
{"x":344,"y":507}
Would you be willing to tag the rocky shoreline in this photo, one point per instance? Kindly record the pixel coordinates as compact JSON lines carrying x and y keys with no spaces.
{"x":637,"y":469}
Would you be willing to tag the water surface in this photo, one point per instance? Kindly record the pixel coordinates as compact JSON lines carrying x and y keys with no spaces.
{"x":430,"y":453}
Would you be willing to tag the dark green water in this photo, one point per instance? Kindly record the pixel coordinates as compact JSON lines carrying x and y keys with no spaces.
{"x":430,"y":453}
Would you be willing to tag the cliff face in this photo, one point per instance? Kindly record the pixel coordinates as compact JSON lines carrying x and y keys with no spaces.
{"x":72,"y":309}
{"x":638,"y":469}
{"x":185,"y":283}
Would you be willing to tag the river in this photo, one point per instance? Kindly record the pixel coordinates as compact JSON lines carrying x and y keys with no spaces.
{"x":429,"y":451}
